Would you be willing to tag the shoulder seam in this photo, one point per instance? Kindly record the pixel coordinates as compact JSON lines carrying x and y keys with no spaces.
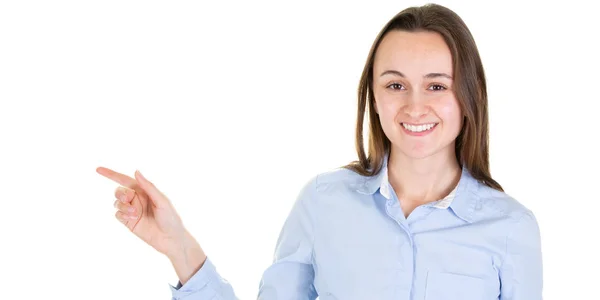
{"x":518,"y":220}
{"x":312,"y":215}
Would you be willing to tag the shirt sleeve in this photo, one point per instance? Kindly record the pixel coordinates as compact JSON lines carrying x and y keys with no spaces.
{"x":291,"y":274}
{"x":521,"y":275}
{"x":206,"y":284}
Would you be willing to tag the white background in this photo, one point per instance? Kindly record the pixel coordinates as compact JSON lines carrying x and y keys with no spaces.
{"x":229,"y":108}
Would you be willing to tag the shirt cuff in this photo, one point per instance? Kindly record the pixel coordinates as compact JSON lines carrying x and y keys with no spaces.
{"x":198,"y":282}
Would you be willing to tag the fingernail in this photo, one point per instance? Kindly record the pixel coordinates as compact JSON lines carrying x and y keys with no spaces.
{"x":123,"y":198}
{"x":133,"y":217}
{"x":140,"y":173}
{"x":131,"y":209}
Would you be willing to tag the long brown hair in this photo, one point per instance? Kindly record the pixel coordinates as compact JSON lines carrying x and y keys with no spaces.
{"x":472,"y":147}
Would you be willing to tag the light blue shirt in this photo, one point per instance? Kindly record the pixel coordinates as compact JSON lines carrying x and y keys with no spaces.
{"x":347,"y":238}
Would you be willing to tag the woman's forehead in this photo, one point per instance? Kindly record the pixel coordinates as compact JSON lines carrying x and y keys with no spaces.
{"x":413,"y":52}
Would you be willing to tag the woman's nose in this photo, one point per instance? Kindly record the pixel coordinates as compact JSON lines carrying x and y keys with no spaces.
{"x":415,"y":106}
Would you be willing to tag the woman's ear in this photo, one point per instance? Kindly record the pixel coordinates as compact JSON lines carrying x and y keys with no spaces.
{"x":375,"y":106}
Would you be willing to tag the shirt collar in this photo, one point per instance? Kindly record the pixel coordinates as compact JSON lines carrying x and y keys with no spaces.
{"x":462,"y":200}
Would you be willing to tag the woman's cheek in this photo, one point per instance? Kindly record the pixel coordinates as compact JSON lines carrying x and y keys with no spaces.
{"x":449,"y":110}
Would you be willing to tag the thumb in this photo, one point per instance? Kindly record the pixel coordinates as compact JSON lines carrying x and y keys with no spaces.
{"x":156,"y":196}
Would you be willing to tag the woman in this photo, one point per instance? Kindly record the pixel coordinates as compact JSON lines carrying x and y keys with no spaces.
{"x":419,"y":217}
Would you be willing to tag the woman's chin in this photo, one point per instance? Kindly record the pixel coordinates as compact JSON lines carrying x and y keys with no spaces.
{"x":418,"y":153}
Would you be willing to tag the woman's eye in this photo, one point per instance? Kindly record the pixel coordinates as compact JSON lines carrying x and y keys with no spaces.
{"x":395,"y":86}
{"x":437,"y":87}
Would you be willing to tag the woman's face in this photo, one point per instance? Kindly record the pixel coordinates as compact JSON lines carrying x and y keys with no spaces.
{"x":412,"y":84}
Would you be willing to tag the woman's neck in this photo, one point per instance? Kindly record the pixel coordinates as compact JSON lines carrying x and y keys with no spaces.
{"x":423,"y":180}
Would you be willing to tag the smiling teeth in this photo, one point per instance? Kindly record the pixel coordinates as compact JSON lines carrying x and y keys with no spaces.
{"x":418,"y":128}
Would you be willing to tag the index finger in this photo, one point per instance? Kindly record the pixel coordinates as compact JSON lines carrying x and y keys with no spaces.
{"x":121,"y":179}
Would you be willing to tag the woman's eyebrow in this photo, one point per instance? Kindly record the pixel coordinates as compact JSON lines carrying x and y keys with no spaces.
{"x":434,"y":75}
{"x":430,"y":75}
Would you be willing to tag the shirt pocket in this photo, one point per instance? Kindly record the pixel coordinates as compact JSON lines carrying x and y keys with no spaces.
{"x":451,"y":286}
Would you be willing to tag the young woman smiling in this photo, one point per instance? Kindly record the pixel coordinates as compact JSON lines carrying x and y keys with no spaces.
{"x":417,"y":216}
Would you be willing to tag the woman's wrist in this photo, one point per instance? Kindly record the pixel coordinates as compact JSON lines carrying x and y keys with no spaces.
{"x":187,"y":257}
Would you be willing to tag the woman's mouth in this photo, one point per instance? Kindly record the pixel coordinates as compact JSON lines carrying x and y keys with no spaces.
{"x":419,"y":129}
